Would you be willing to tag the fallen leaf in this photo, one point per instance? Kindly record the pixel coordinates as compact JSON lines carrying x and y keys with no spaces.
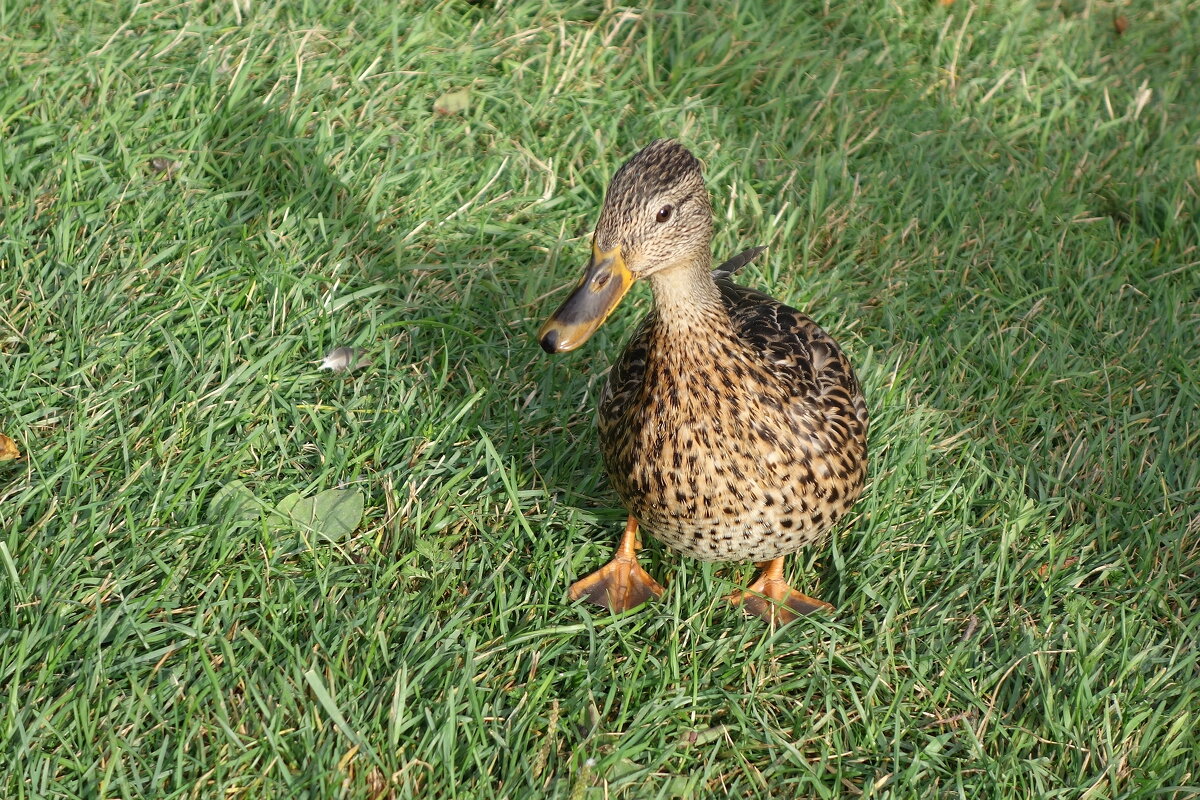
{"x":455,"y":102}
{"x":333,"y":513}
{"x":1045,"y":569}
{"x":281,"y":515}
{"x":234,"y":503}
{"x":1120,"y":24}
{"x":8,"y":449}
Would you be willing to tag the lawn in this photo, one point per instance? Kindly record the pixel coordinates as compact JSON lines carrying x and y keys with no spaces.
{"x":995,"y":208}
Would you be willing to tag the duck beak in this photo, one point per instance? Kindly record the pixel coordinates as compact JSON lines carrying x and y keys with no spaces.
{"x":605,"y":282}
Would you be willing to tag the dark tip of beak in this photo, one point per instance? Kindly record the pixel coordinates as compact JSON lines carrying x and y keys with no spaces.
{"x":549,"y":342}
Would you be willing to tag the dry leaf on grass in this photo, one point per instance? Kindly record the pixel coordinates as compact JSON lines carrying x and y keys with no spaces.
{"x":455,"y":102}
{"x":8,"y":449}
{"x":1046,"y":569}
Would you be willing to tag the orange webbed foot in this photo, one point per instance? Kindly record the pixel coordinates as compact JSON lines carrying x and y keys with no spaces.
{"x":771,"y":599}
{"x":621,"y":584}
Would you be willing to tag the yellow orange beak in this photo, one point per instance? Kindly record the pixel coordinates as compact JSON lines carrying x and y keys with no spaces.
{"x":605,"y":282}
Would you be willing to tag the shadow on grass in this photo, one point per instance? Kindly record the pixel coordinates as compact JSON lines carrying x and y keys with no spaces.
{"x":270,"y":167}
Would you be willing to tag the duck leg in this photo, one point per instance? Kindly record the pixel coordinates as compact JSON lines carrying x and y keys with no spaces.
{"x":770,"y":597}
{"x":621,"y":584}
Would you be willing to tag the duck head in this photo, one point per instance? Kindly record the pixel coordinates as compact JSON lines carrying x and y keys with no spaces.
{"x":656,"y":217}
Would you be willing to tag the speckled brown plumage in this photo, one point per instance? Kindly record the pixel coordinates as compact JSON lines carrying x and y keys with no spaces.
{"x":732,"y":427}
{"x":743,"y":439}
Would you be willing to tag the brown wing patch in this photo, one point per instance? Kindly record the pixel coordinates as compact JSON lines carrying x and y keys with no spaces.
{"x":797,"y":352}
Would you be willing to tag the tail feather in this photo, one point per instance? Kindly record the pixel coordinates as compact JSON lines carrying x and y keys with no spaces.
{"x":737,"y":262}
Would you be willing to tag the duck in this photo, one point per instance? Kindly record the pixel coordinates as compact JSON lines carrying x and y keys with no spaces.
{"x":732,"y":427}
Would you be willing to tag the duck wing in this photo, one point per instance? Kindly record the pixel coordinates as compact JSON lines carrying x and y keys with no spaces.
{"x":803,"y":360}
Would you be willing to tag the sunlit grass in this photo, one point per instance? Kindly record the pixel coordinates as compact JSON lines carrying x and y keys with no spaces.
{"x":992,"y":207}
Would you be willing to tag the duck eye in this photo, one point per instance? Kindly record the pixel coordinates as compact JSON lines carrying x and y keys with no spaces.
{"x":664,"y":213}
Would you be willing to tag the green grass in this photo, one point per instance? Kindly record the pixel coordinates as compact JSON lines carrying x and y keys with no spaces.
{"x":994,"y":207}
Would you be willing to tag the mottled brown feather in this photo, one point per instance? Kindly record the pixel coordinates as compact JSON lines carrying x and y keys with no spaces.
{"x":732,"y":427}
{"x":745,"y":443}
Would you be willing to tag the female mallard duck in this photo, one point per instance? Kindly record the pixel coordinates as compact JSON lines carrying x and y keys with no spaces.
{"x":733,"y":428}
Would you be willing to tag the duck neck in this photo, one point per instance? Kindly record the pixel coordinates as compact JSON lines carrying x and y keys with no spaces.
{"x":686,"y":297}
